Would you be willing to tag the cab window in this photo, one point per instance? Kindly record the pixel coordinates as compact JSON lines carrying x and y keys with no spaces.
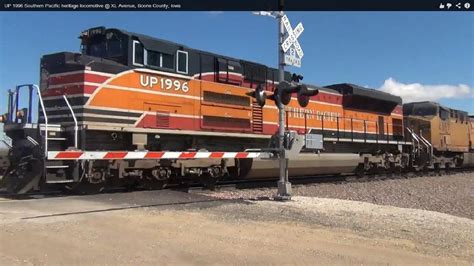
{"x":138,"y":53}
{"x":182,"y":62}
{"x":443,"y":114}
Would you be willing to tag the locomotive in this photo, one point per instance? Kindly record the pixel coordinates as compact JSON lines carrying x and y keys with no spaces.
{"x":131,"y":109}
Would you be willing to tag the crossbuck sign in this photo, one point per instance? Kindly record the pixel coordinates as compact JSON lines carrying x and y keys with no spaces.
{"x":291,"y":46}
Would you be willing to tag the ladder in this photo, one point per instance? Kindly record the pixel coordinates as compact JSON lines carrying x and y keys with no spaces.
{"x":257,"y":117}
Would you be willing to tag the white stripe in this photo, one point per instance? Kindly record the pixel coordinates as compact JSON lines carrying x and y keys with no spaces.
{"x":202,"y":155}
{"x":150,"y":71}
{"x":52,"y":154}
{"x":253,"y":154}
{"x":136,"y":155}
{"x":93,"y":107}
{"x":46,"y":98}
{"x":229,"y":155}
{"x":171,"y":155}
{"x":94,"y":115}
{"x":73,"y":84}
{"x":330,"y":92}
{"x":93,"y":155}
{"x":81,"y":72}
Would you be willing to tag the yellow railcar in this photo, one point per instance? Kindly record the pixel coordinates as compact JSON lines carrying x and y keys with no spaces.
{"x":448,"y":130}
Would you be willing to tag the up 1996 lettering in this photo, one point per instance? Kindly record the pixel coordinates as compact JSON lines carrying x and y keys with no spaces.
{"x":163,"y":83}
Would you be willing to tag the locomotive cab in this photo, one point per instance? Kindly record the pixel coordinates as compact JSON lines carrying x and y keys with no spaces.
{"x":108,"y":44}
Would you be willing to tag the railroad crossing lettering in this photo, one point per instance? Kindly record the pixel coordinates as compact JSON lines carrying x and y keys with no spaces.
{"x":292,"y":40}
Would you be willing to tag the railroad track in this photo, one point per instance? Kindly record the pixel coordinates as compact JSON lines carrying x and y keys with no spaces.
{"x":250,"y":184}
{"x":334,"y":179}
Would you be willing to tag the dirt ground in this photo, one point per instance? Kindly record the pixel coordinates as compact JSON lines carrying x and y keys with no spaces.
{"x":452,"y":194}
{"x":170,"y":227}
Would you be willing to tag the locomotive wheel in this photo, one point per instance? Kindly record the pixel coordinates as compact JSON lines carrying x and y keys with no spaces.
{"x":360,"y":171}
{"x":154,"y":179}
{"x":151,"y":183}
{"x":91,"y":185}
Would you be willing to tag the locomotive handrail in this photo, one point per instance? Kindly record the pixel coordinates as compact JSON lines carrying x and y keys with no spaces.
{"x":75,"y":120}
{"x":40,"y":99}
{"x":428,"y":145}
{"x":417,"y":140}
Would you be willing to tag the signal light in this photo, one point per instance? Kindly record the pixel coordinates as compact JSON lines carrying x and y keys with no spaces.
{"x":304,"y":94}
{"x":283,"y":93}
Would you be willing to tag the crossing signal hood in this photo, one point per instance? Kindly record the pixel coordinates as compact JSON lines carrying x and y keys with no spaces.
{"x":283,"y":93}
{"x":285,"y":90}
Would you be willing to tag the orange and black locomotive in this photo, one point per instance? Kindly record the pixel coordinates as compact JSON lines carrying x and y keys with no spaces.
{"x":135,"y":109}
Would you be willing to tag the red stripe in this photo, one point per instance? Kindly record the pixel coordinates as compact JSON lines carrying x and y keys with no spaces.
{"x":69,"y":90}
{"x":69,"y":155}
{"x":95,"y":78}
{"x":216,"y":155}
{"x":154,"y":155}
{"x":115,"y":155}
{"x":78,"y":77}
{"x":187,"y":155}
{"x":241,"y":155}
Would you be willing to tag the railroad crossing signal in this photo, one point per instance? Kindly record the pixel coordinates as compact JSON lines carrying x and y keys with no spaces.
{"x":291,"y":43}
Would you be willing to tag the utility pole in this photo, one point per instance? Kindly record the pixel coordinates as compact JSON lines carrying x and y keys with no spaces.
{"x":284,"y":186}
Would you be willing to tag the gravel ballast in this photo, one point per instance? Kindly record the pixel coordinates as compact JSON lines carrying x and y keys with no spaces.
{"x":451,"y":194}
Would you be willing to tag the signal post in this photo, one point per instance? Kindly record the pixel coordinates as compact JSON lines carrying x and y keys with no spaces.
{"x":282,"y":95}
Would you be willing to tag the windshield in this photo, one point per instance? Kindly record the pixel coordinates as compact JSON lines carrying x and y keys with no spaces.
{"x":110,"y":46}
{"x":422,"y":110}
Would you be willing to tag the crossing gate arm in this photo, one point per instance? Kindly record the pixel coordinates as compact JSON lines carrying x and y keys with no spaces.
{"x":150,"y":155}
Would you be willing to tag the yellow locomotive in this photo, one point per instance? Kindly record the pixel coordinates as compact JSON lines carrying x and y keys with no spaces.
{"x":447,"y":133}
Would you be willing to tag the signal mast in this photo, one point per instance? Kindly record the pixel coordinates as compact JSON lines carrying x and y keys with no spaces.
{"x":289,"y":53}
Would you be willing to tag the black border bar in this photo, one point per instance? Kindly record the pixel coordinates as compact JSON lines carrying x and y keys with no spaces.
{"x":237,"y":5}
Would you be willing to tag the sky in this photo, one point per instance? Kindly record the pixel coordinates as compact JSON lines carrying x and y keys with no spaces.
{"x":417,"y":55}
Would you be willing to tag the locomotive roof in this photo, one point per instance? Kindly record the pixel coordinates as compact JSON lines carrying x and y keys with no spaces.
{"x":436,"y":104}
{"x":170,"y":47}
{"x":352,"y":89}
{"x":323,"y":89}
